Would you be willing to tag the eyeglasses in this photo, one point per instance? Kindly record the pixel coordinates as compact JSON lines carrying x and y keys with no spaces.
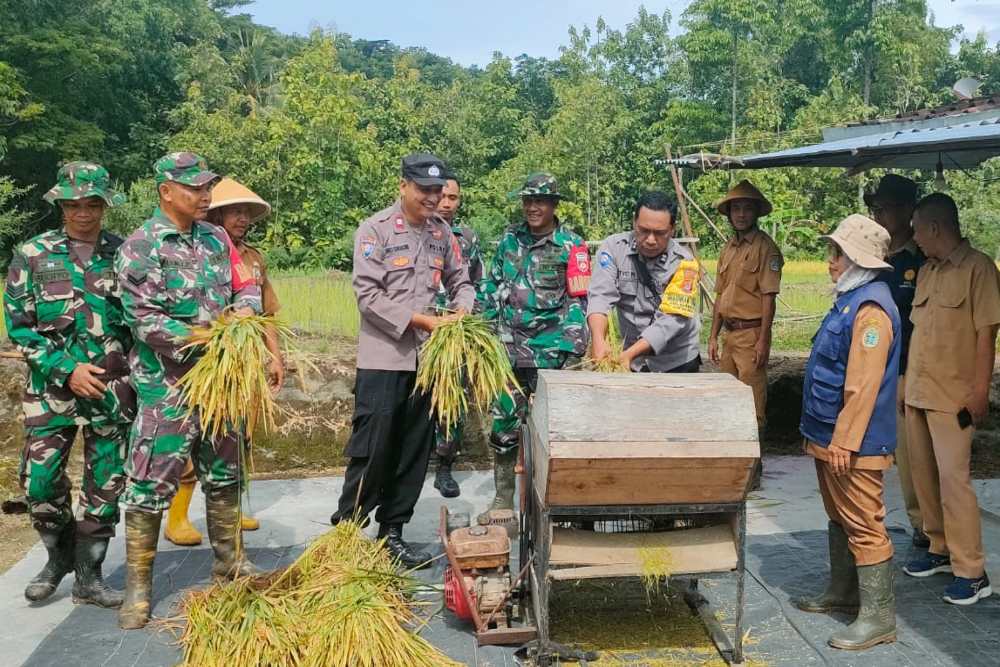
{"x":659,"y":235}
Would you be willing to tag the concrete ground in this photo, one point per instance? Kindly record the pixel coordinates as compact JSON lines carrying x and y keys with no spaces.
{"x":786,"y":556}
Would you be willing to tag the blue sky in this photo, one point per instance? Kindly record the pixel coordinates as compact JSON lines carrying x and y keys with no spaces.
{"x":469,"y":31}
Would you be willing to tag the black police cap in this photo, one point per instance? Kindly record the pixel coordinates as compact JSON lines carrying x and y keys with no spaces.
{"x":424,"y":169}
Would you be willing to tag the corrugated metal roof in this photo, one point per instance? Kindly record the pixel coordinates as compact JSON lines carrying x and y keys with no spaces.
{"x":959,"y":146}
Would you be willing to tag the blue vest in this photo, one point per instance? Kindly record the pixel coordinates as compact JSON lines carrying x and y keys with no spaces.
{"x":823,"y":391}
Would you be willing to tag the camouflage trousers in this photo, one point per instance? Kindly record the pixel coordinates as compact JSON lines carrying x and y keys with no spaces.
{"x":162,"y":440}
{"x":43,"y":474}
{"x":52,"y":420}
{"x":448,"y":445}
{"x":510,"y":411}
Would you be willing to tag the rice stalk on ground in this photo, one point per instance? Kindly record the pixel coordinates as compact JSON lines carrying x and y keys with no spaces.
{"x":340,"y":604}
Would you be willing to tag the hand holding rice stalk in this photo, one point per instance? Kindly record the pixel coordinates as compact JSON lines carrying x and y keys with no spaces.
{"x":612,"y":362}
{"x":463,"y":358}
{"x":228,"y":385}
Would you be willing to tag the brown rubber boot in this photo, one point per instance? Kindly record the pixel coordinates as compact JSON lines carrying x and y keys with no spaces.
{"x":501,"y":510}
{"x":179,"y":529}
{"x":142,"y":532}
{"x":222,"y":509}
{"x":841,"y":592}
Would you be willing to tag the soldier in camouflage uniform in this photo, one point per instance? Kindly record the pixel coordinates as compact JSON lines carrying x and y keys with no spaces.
{"x":447,"y":445}
{"x":62,"y":313}
{"x":176,"y":272}
{"x":535,"y":290}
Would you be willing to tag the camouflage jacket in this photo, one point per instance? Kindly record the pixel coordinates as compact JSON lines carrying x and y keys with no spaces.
{"x":472,"y":255}
{"x":171,"y":281}
{"x":525,"y":292}
{"x":61,"y":311}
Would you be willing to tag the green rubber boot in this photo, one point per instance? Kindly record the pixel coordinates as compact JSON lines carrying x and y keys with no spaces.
{"x":876,"y":621}
{"x":841,"y":592}
{"x":501,"y":510}
{"x":222,"y":513}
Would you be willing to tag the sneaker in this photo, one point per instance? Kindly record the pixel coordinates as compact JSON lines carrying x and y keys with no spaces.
{"x":928,"y":565}
{"x":967,"y":591}
{"x":920,"y":539}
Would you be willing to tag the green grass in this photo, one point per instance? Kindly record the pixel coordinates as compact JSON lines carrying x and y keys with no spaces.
{"x":318,"y":303}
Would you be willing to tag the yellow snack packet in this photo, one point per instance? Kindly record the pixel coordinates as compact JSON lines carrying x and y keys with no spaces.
{"x":679,"y":297}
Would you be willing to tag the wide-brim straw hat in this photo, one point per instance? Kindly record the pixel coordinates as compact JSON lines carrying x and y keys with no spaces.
{"x":743,"y":190}
{"x":228,"y":192}
{"x":864,"y":241}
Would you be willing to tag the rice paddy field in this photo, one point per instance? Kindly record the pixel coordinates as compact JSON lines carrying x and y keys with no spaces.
{"x":322,"y":303}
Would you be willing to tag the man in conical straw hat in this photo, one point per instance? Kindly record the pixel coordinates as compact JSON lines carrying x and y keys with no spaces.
{"x":236,"y":208}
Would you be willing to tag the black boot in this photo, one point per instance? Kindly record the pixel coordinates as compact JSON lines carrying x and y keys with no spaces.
{"x":222,"y":513}
{"x":407,"y":556}
{"x":59,"y":544}
{"x":142,"y":531}
{"x":443,"y":481}
{"x":89,"y":587}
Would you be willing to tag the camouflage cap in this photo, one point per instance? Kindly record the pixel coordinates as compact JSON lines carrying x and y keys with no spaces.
{"x":184,"y":168}
{"x":540,"y":184}
{"x":79,"y":180}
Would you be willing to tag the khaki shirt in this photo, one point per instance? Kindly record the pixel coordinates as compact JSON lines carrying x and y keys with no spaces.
{"x":254,"y":261}
{"x":398,"y":268}
{"x":862,"y":380}
{"x":748,"y":268}
{"x":956,"y":297}
{"x":616,"y":284}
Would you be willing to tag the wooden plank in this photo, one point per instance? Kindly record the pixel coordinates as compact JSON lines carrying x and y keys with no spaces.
{"x":652,"y":450}
{"x":539,"y":473}
{"x":645,"y":407}
{"x":696,"y":550}
{"x":644,"y":482}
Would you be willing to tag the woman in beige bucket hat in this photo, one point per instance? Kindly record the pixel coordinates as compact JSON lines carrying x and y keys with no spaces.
{"x":849,"y":427}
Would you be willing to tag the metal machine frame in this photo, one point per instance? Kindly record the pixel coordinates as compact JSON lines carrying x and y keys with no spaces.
{"x":535,"y":549}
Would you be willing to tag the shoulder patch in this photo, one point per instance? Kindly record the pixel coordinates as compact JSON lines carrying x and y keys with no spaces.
{"x":135,"y":278}
{"x":367,"y":247}
{"x":775,"y":264}
{"x":605,"y":260}
{"x":870,"y":337}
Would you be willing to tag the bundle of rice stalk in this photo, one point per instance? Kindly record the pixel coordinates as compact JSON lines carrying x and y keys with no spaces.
{"x":463,"y":358}
{"x":228,"y":384}
{"x":341,"y":603}
{"x":612,"y":363}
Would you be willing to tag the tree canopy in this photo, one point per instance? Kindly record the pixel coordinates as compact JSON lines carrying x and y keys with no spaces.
{"x":317,"y":124}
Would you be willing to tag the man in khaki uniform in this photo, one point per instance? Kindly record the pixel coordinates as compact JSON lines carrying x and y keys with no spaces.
{"x":891,"y":205}
{"x":235,"y":208}
{"x":955,"y":315}
{"x":747,"y":284}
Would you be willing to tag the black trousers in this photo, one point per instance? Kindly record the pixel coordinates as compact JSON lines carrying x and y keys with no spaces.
{"x":391,"y":439}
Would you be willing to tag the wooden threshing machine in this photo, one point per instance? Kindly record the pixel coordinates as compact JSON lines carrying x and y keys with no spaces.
{"x":615,"y":464}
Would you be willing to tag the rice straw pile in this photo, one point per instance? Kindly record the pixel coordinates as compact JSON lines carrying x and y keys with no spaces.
{"x":340,"y":604}
{"x":612,"y":363}
{"x":463,"y":358}
{"x":228,"y":384}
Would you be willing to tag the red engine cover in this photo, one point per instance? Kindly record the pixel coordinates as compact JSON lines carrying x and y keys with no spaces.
{"x":453,"y":598}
